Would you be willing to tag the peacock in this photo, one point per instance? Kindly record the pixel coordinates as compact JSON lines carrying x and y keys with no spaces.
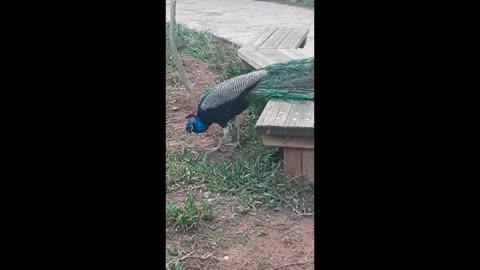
{"x":221,"y":105}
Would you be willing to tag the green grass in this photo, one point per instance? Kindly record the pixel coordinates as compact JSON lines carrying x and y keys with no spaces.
{"x":306,"y":3}
{"x":179,"y":266}
{"x":188,"y":215}
{"x":255,"y":181}
{"x":220,"y":56}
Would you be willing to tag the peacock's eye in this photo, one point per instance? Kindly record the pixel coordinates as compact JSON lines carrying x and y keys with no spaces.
{"x":191,"y":128}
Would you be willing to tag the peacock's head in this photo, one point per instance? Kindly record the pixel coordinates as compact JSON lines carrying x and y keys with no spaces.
{"x":194,"y":125}
{"x":190,"y":124}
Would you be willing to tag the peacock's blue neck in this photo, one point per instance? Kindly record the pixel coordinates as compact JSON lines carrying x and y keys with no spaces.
{"x":199,"y":126}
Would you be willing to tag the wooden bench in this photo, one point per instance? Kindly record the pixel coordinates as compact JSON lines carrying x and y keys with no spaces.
{"x":274,"y":45}
{"x":290,"y":124}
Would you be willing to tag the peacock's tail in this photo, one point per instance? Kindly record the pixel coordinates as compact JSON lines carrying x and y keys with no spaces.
{"x":291,"y":80}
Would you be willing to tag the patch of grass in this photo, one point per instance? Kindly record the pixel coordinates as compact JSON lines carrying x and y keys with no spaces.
{"x":306,"y":3}
{"x":256,"y":180}
{"x":220,"y":56}
{"x":188,"y":215}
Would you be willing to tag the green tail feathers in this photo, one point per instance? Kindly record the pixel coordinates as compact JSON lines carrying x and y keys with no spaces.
{"x":291,"y":80}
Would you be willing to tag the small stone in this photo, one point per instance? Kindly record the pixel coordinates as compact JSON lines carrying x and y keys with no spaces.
{"x":207,"y":194}
{"x":210,"y":200}
{"x":225,"y":258}
{"x":175,"y":109}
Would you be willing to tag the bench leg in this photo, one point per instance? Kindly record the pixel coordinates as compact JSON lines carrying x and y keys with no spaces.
{"x":308,"y":164}
{"x":292,"y":161}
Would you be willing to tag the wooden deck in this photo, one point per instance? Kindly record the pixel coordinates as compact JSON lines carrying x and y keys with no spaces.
{"x":274,"y":45}
{"x":284,"y":123}
{"x":290,"y":124}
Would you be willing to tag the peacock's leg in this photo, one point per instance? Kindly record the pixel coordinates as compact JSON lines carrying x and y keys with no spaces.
{"x":225,"y":134}
{"x":237,"y":125}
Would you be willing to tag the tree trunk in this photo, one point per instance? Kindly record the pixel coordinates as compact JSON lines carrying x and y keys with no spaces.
{"x":176,"y":57}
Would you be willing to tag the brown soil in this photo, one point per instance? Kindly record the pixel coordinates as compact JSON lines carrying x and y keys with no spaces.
{"x":259,"y":239}
{"x":178,"y":108}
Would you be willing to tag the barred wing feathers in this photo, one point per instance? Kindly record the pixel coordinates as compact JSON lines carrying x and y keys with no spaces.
{"x":230,"y":89}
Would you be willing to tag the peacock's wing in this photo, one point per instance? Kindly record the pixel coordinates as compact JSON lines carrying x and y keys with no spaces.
{"x":292,"y":80}
{"x":231,"y":89}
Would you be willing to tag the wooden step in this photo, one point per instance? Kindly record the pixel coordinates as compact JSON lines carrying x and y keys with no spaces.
{"x":275,"y":45}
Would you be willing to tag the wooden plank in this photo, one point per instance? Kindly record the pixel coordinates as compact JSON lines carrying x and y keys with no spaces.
{"x":283,"y":111}
{"x":256,"y":42}
{"x":276,"y":56}
{"x":262,"y":51}
{"x":288,"y":141}
{"x":300,"y":132}
{"x":299,"y":122}
{"x":255,"y":59}
{"x":309,"y":116}
{"x":295,"y":53}
{"x":266,"y":114}
{"x":275,"y":39}
{"x":262,"y":126}
{"x":292,"y":161}
{"x":273,"y":120}
{"x":308,"y":164}
{"x":295,"y":112}
{"x":294,"y":38}
{"x":273,"y":117}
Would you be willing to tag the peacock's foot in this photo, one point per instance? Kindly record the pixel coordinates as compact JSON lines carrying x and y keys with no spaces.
{"x":234,"y":144}
{"x":212,"y":150}
{"x":216,"y":148}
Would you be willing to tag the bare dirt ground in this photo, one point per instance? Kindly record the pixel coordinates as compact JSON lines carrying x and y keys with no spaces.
{"x":259,"y":239}
{"x":178,"y":108}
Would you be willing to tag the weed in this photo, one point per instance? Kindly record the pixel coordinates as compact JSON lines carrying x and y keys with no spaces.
{"x":188,"y":240}
{"x":188,"y":215}
{"x":179,"y":266}
{"x":220,"y":56}
{"x":207,"y":211}
{"x":174,"y":251}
